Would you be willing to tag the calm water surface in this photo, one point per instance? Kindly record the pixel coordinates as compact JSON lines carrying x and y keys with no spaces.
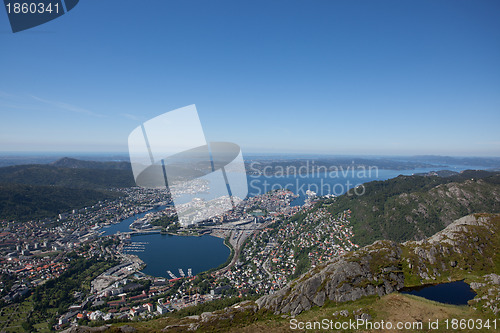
{"x":457,"y":293}
{"x":124,"y":226}
{"x":168,"y":252}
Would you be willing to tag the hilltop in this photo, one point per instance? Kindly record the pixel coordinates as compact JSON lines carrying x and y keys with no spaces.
{"x":470,"y":244}
{"x":67,"y":162}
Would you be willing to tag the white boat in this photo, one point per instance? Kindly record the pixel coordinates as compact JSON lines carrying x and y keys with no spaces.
{"x":171,"y":275}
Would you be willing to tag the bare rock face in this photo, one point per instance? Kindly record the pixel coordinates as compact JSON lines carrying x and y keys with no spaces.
{"x":377,"y":269}
{"x":457,"y":247}
{"x":372,"y":270}
{"x":450,"y":234}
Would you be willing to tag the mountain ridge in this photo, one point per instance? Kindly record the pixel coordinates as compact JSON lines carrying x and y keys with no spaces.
{"x":415,"y":207}
{"x":40,"y":174}
{"x":68,"y":162}
{"x":36,"y":191}
{"x":386,"y":266}
{"x":19,"y":202}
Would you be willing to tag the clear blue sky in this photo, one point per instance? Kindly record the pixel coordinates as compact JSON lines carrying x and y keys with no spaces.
{"x":338,"y":77}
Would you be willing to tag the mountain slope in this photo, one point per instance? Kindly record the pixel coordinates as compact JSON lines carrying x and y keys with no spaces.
{"x":39,"y":191}
{"x":27,"y":202}
{"x":415,"y":207}
{"x":470,"y":244}
{"x":69,"y":177}
{"x":67,"y":162}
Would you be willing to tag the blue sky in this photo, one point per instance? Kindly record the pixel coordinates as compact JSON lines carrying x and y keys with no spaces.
{"x":335,"y":77}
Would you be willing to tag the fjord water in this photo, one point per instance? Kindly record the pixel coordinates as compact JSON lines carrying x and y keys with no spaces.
{"x":457,"y":293}
{"x":124,"y":226}
{"x":336,"y":183}
{"x":169,"y":252}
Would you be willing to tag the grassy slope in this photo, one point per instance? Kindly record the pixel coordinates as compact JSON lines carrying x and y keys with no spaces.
{"x":479,"y":255}
{"x":393,"y":307}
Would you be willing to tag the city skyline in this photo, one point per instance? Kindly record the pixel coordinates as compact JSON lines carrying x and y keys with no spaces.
{"x":339,"y":78}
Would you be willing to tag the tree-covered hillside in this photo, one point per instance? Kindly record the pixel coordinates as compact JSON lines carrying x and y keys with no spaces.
{"x":37,"y":174}
{"x":27,"y":202}
{"x":415,"y":207}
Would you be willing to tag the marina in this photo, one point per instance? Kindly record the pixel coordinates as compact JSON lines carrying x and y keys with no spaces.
{"x":135,"y":247}
{"x":171,"y":256}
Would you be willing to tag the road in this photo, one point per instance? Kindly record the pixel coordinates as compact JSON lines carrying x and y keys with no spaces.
{"x":237,"y":237}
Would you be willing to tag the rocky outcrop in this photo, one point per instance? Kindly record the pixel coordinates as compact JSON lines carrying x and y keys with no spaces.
{"x":377,"y":269}
{"x":488,"y":293}
{"x":455,"y":230}
{"x":457,"y":247}
{"x":372,"y":270}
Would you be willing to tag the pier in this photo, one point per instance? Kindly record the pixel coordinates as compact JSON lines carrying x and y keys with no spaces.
{"x":181,"y":273}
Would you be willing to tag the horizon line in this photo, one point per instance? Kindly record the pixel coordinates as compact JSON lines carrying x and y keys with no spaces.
{"x":114,"y":153}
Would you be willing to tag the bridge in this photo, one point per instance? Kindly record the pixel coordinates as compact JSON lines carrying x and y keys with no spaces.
{"x":140,"y":232}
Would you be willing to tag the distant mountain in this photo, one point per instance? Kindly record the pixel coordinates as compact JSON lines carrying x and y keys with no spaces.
{"x":73,"y":177}
{"x":414,"y":207}
{"x":490,"y":162}
{"x":67,"y":162}
{"x":440,"y":173}
{"x":44,"y":190}
{"x":27,"y":202}
{"x":292,"y":166}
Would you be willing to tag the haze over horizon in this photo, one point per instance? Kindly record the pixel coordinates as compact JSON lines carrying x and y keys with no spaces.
{"x":338,"y":78}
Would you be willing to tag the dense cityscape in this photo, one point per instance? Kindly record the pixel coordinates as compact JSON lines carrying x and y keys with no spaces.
{"x":268,"y":250}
